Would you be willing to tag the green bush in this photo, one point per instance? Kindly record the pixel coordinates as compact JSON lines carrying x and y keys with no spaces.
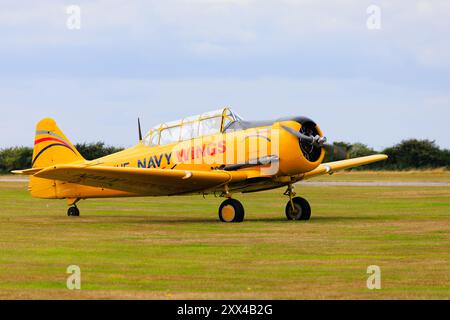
{"x":361,"y":150}
{"x":406,"y":155}
{"x":95,"y":150}
{"x":415,"y":154}
{"x":15,"y":158}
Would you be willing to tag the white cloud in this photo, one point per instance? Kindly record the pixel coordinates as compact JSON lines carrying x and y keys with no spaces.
{"x":242,"y":26}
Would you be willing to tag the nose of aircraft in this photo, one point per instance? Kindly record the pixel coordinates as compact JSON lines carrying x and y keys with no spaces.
{"x":310,"y":137}
{"x":312,"y":141}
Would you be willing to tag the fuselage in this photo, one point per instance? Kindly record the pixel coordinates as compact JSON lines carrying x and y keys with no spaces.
{"x":264,"y":145}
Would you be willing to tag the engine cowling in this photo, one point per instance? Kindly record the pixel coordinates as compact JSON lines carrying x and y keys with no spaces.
{"x":298,"y":155}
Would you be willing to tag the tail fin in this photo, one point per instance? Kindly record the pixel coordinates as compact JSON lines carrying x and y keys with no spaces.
{"x":52,"y":147}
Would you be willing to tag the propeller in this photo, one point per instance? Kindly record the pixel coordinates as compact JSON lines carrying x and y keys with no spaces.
{"x":338,"y":151}
{"x":319,"y":142}
{"x":316,"y":140}
{"x":139,"y":130}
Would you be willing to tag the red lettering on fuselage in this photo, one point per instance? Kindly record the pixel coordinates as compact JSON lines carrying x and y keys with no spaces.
{"x":196,"y":152}
{"x":182,"y":155}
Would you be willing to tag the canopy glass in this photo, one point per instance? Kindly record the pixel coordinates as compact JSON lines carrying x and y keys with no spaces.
{"x":209,"y":123}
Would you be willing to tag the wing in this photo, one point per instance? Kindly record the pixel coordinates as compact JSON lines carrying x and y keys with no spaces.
{"x":331,"y":167}
{"x":141,"y":180}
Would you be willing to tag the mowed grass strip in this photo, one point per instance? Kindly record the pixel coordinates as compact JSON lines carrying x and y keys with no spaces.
{"x":164,"y":248}
{"x":436,"y":175}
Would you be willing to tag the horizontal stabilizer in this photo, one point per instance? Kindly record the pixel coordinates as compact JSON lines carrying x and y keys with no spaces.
{"x":27,"y":172}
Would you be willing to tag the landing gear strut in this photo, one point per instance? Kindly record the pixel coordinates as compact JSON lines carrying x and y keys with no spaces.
{"x":297,"y":208}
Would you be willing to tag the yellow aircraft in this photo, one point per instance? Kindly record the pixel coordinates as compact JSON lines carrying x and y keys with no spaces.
{"x":214,"y":153}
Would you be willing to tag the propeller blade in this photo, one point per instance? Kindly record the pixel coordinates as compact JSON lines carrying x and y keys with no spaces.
{"x":139,"y":129}
{"x":298,"y":134}
{"x":339,"y":151}
{"x":317,"y":140}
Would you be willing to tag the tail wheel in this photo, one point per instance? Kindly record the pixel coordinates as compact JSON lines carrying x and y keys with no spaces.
{"x":73,"y":212}
{"x":301,"y":211}
{"x":231,"y":210}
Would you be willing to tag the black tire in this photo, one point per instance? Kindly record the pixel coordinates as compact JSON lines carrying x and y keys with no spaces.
{"x":302,"y":212}
{"x":73,"y":212}
{"x":231,"y":210}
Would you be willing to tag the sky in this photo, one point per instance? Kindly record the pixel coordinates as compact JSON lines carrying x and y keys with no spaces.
{"x":165,"y":60}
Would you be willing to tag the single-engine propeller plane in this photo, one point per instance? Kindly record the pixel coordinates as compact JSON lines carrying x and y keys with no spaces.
{"x":214,"y":153}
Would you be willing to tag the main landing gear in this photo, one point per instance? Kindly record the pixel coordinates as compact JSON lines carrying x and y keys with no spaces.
{"x":231,"y":210}
{"x":73,"y":210}
{"x":297,"y":208}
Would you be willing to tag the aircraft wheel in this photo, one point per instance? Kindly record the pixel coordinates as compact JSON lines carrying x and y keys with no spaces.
{"x":302,"y":209}
{"x":73,"y":212}
{"x":231,"y":210}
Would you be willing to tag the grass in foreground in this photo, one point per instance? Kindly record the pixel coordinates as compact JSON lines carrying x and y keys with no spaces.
{"x":175,"y":247}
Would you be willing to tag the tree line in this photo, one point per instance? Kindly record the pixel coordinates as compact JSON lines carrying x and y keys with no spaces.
{"x":16,"y":158}
{"x":406,"y":155}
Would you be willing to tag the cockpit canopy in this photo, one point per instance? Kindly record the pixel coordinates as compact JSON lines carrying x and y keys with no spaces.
{"x":191,"y":127}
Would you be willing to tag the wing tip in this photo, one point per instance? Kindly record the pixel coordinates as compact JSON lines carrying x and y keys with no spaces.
{"x":382,"y":156}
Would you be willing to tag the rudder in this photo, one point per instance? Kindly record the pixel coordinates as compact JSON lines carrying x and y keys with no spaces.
{"x":52,"y":147}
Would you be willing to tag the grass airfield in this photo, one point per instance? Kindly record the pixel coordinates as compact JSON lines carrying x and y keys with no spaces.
{"x":175,"y":248}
